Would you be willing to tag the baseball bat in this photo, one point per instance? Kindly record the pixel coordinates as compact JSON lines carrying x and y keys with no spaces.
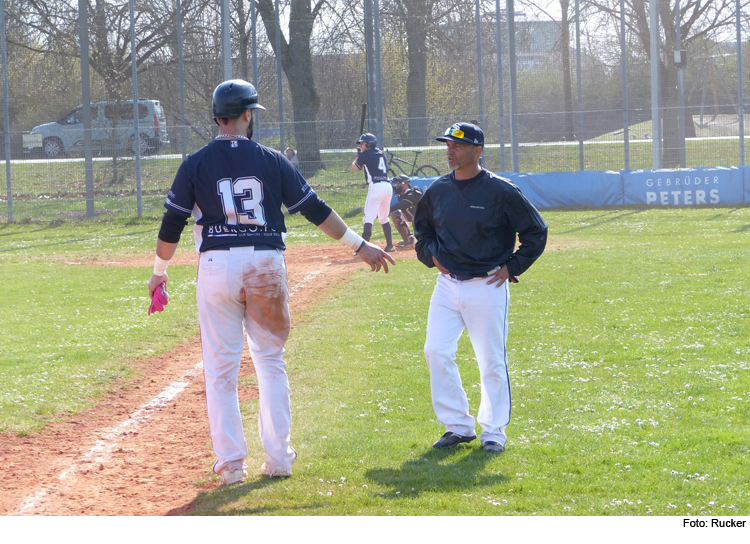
{"x":362,"y":120}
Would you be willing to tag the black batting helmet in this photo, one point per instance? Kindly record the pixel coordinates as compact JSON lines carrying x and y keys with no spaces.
{"x":369,"y":139}
{"x":233,"y":97}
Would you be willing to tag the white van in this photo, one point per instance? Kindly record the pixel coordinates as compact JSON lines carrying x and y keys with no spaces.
{"x":112,"y":127}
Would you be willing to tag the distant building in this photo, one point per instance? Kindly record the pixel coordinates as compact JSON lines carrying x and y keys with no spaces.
{"x":537,"y":43}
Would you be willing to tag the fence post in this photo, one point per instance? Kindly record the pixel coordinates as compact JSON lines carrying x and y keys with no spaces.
{"x":279,"y":80}
{"x":181,"y":77}
{"x":625,"y":113}
{"x":6,"y":121}
{"x":480,"y":72}
{"x":83,"y":41}
{"x":680,"y":88}
{"x":513,"y":99}
{"x":370,"y":69}
{"x":655,"y":86}
{"x":254,"y":21}
{"x":378,"y":75}
{"x":499,"y":39}
{"x":580,"y":86}
{"x":136,"y":113}
{"x":226,"y":41}
{"x":740,"y":86}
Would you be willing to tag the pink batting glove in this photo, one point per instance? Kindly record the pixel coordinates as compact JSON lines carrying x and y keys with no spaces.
{"x":159,"y":300}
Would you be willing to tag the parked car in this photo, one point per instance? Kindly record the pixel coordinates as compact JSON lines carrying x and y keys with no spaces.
{"x":112,"y":127}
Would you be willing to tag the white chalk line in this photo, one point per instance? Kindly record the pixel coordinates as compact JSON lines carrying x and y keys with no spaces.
{"x":307,"y":279}
{"x":108,"y":442}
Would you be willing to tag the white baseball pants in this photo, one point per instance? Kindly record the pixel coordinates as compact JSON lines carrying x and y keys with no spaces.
{"x":236,"y":288}
{"x":483,"y":310}
{"x":378,"y":202}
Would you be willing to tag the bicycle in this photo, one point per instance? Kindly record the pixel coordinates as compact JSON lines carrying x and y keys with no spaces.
{"x":424,"y":171}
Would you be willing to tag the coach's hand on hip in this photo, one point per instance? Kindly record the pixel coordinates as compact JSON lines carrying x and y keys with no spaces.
{"x":375,"y":257}
{"x":440,"y":266}
{"x":501,"y":276}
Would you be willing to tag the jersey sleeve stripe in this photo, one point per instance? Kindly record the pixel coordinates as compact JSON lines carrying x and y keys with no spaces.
{"x":296,"y":206}
{"x":176,"y":207}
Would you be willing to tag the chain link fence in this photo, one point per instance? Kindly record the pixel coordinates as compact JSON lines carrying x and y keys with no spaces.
{"x":575,"y":96}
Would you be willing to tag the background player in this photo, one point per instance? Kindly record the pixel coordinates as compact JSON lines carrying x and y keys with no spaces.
{"x":379,"y":191}
{"x":466,"y":225}
{"x":235,"y":188}
{"x":402,"y":212}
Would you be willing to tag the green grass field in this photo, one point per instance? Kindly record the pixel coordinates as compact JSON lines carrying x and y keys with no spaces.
{"x":629,"y":362}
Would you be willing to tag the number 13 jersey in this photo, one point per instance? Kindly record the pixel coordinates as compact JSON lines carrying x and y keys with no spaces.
{"x":235,"y":190}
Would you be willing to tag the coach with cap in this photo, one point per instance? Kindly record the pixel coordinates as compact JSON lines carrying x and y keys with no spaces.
{"x":466,"y":225}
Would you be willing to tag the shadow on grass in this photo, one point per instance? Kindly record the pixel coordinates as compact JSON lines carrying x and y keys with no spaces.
{"x":145,"y":220}
{"x":604,"y":221}
{"x":74,"y":240}
{"x":211,"y":502}
{"x":438,"y":471}
{"x":721,"y":215}
{"x":603,"y":214}
{"x":354,"y":212}
{"x":51,"y":225}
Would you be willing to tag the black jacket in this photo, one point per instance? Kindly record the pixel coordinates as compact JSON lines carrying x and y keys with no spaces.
{"x":470,"y":226}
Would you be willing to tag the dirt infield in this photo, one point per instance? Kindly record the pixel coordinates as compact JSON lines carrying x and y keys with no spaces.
{"x":143,"y":447}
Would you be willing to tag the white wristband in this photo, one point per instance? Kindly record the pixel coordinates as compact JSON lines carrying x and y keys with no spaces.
{"x":160,"y":266}
{"x":352,"y":239}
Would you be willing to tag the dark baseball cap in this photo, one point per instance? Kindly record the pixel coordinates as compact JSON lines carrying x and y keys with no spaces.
{"x":463,"y":133}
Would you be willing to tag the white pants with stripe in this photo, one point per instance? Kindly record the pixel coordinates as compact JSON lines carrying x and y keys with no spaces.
{"x":378,"y":202}
{"x":244,"y":288}
{"x":483,"y":310}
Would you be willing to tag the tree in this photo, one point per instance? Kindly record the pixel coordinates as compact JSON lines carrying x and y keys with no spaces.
{"x":53,"y":25}
{"x":296,"y":61}
{"x":699,"y":19}
{"x":32,"y":93}
{"x":420,"y":20}
{"x":567,"y":19}
{"x":415,"y":15}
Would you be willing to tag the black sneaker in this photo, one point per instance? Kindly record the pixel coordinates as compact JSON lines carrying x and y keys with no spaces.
{"x":493,"y":447}
{"x":389,"y":249}
{"x":451,"y":440}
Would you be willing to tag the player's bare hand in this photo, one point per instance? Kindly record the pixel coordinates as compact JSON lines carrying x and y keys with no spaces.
{"x":501,"y":276}
{"x":155,"y":282}
{"x":440,"y":266}
{"x":375,"y":257}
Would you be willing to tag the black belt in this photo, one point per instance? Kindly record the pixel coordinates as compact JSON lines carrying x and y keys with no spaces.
{"x":466,"y":277}
{"x":463,"y":277}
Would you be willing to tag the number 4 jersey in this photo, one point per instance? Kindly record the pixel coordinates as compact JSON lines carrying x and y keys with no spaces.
{"x":372,"y":161}
{"x":235,"y":189}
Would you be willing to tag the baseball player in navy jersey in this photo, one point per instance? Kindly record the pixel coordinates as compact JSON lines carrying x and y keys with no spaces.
{"x":235,"y":189}
{"x":466,"y":225}
{"x":379,"y":191}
